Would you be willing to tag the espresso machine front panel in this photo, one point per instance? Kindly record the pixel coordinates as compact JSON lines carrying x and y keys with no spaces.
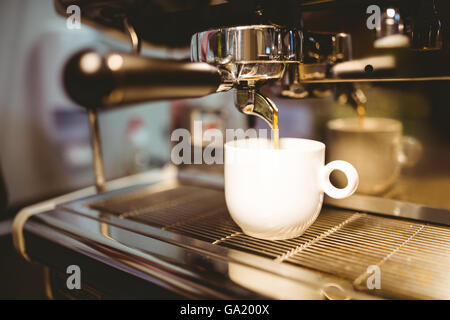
{"x":174,"y":232}
{"x":180,"y":237}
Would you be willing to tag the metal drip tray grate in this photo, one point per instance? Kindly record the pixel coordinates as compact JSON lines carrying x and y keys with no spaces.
{"x":413,"y":257}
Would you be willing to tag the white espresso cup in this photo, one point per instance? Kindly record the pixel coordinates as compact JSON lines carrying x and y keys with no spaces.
{"x":376,"y":147}
{"x":277,"y":194}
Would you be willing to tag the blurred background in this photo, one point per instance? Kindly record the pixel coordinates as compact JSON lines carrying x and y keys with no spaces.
{"x":44,"y":137}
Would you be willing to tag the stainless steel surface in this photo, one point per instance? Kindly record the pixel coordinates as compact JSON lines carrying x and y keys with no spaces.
{"x":393,"y":208}
{"x":343,"y":47}
{"x":429,"y":30}
{"x":102,"y":242}
{"x":136,"y":42}
{"x":322,"y":51}
{"x":412,"y":256}
{"x":328,"y":59}
{"x":368,"y":79}
{"x":253,"y":103}
{"x":247,"y":57}
{"x":390,"y":24}
{"x":438,"y":214}
{"x":247,"y":54}
{"x":97,"y":154}
{"x":138,"y":257}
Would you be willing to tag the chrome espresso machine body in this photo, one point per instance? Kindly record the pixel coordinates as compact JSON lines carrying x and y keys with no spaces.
{"x":167,"y":233}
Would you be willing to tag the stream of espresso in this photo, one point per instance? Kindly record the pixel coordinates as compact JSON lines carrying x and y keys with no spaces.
{"x":276,"y":131}
{"x":361,"y":110}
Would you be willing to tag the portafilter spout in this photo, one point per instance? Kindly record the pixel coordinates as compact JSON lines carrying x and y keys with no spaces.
{"x":251,"y":102}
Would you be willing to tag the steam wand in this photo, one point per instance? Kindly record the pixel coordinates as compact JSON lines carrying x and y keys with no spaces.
{"x":99,"y":169}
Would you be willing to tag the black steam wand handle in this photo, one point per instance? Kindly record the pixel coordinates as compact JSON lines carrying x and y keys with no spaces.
{"x":103,"y":81}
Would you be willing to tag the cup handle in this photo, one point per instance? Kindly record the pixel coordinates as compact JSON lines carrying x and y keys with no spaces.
{"x":410,"y":152}
{"x":349,"y":171}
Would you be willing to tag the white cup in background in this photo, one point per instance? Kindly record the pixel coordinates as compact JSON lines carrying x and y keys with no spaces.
{"x":376,"y":147}
{"x":277,"y":194}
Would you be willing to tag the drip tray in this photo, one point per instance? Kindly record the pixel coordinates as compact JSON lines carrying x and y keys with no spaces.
{"x":413,"y":257}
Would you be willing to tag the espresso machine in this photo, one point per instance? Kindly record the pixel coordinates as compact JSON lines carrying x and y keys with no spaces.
{"x":167,"y":233}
